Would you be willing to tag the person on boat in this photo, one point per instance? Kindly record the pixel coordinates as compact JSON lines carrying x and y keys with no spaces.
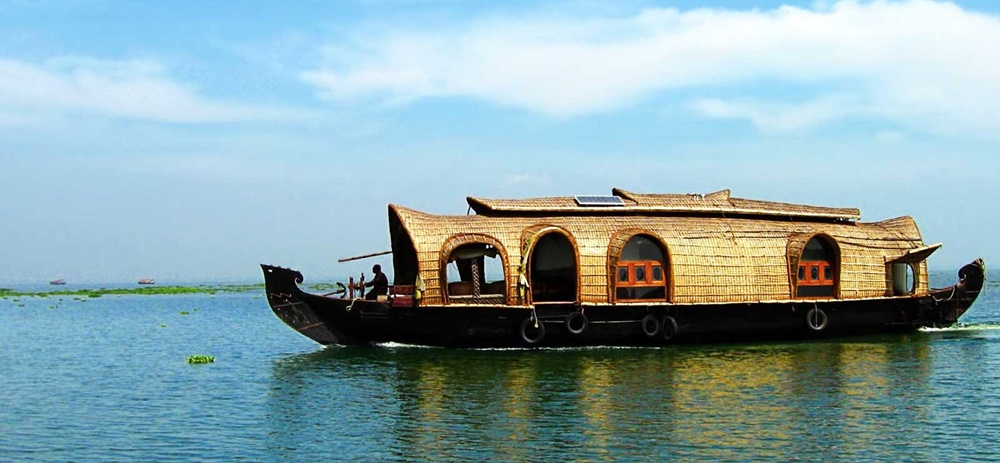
{"x":379,"y":284}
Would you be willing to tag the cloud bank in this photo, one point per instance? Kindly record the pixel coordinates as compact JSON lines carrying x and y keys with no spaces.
{"x":925,"y":63}
{"x":131,"y":89}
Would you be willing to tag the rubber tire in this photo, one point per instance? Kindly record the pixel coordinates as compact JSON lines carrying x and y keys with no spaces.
{"x":650,"y":331}
{"x":575,"y":318}
{"x":527,"y":327}
{"x":669,"y":328}
{"x":816,"y":320}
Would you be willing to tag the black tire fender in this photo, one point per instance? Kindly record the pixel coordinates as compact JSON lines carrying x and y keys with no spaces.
{"x":576,"y":323}
{"x":816,"y":319}
{"x":650,"y":325}
{"x":669,"y":328}
{"x":532,"y":331}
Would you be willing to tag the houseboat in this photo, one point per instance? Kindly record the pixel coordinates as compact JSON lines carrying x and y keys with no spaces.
{"x":632,"y":269}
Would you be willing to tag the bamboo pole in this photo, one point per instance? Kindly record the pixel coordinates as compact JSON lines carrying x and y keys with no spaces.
{"x":374,"y":254}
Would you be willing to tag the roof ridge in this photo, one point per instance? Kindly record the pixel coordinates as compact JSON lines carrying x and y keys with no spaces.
{"x":717,"y":202}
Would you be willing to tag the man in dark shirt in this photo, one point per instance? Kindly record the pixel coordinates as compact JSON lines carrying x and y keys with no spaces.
{"x":379,"y":284}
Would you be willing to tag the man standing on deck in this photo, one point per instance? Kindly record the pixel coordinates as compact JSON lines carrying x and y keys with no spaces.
{"x":379,"y":284}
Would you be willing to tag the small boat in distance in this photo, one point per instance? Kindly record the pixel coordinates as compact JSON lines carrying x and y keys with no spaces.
{"x":633,"y":269}
{"x":58,"y":282}
{"x":146,"y":281}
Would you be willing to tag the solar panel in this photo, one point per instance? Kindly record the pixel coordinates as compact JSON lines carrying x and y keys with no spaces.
{"x":599,"y":201}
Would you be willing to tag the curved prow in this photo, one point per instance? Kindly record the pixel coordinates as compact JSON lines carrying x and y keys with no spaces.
{"x":280,"y":279}
{"x":956,"y":300}
{"x":972,"y":277}
{"x":287,"y":301}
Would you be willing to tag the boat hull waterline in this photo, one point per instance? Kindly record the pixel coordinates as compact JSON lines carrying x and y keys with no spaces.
{"x":353,"y":321}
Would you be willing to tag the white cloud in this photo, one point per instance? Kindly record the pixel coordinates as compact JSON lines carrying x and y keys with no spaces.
{"x":220,"y":168}
{"x":779,"y":116}
{"x":134,"y":89}
{"x":528,"y":178}
{"x":920,"y":62}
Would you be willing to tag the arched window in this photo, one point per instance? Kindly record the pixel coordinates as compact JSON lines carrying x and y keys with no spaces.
{"x":641,"y":271}
{"x":474,"y":274}
{"x":552,"y":269}
{"x":818,"y":271}
{"x":903,"y":280}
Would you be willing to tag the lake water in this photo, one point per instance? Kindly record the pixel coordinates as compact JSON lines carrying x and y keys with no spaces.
{"x":105,"y":379}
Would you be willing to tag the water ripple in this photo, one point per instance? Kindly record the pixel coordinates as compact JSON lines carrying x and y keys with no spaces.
{"x":106,"y":380}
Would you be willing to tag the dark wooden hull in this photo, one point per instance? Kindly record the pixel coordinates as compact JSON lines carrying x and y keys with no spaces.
{"x":332,"y":320}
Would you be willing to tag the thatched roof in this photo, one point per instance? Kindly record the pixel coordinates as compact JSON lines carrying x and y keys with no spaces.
{"x":712,"y":258}
{"x":719,"y":203}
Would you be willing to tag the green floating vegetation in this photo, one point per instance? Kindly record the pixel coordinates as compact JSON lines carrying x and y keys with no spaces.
{"x":201,"y":359}
{"x":322,"y":286}
{"x":140,"y":291}
{"x":185,"y":312}
{"x":163,"y":325}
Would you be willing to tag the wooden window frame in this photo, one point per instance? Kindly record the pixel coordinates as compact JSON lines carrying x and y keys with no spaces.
{"x":822,"y":267}
{"x":633,"y":282}
{"x":830,"y":264}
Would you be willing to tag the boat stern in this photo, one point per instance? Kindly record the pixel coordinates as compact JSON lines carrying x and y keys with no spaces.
{"x":971,"y":279}
{"x":950,"y":303}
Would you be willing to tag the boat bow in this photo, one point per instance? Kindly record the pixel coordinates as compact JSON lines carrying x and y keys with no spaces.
{"x":291,"y":305}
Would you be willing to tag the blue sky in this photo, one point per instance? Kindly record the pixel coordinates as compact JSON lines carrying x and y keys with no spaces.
{"x":191,"y":141}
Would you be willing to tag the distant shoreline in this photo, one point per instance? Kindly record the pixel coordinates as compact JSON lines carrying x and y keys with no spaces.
{"x":151,"y":290}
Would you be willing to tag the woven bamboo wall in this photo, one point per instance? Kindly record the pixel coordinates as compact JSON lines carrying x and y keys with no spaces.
{"x":711,"y":259}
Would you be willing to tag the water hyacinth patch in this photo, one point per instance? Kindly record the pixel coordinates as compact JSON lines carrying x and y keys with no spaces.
{"x":83,"y":294}
{"x":199,"y":359}
{"x":140,"y":291}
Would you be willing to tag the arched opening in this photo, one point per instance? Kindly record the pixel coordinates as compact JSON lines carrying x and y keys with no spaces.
{"x":904,"y":271}
{"x":473,"y":270}
{"x":552,"y":269}
{"x":640,"y":273}
{"x":818,"y":269}
{"x":903,"y":279}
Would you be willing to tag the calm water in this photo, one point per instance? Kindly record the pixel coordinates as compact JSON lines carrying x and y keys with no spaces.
{"x":105,"y":379}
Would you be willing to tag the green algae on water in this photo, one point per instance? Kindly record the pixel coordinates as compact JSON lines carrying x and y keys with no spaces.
{"x":197,"y":359}
{"x":322,"y":286}
{"x":80,"y":294}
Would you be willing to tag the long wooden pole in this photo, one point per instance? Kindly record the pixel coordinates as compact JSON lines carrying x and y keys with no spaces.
{"x":374,"y":254}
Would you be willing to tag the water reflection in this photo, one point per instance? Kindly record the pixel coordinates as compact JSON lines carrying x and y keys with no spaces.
{"x":836,"y":401}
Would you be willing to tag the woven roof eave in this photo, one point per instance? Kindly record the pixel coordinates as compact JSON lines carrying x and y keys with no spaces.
{"x":404,"y":215}
{"x":916,"y":255}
